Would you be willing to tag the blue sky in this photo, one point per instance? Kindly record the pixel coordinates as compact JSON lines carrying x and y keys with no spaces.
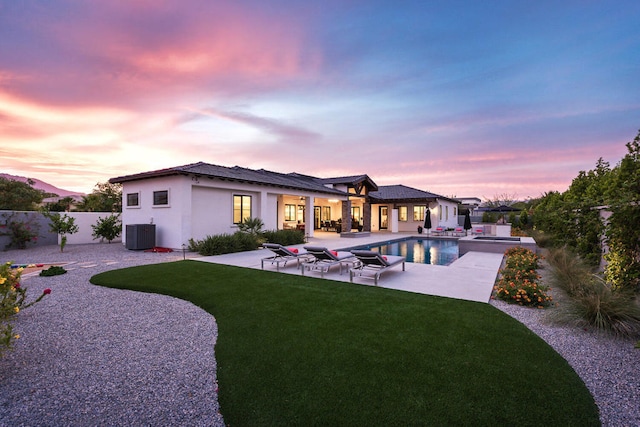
{"x":460,"y":98}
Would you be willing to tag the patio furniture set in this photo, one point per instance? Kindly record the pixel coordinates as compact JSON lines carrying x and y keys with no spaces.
{"x":360,"y":263}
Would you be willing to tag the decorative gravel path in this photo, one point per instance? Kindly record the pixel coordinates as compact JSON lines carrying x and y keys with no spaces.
{"x":90,"y":355}
{"x":96,"y":356}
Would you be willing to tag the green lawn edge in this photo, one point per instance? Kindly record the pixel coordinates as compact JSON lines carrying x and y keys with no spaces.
{"x":301,"y":350}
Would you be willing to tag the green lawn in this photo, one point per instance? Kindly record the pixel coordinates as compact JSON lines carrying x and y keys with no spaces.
{"x":296,"y":350}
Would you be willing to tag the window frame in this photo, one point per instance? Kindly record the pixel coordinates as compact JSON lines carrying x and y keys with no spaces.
{"x":242,"y":209}
{"x":290,"y":212}
{"x":161,"y":205}
{"x":131,"y":206}
{"x":406,"y":213}
{"x":420,"y":210}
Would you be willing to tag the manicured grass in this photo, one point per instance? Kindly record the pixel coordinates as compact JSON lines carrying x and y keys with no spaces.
{"x":296,"y":350}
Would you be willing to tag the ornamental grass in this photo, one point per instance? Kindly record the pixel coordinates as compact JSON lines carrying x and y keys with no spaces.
{"x":591,"y":302}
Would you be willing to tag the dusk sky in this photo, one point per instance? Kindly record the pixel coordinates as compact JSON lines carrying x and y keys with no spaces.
{"x":460,"y":98}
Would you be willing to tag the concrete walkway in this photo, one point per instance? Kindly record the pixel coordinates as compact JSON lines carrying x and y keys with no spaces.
{"x":471,"y":277}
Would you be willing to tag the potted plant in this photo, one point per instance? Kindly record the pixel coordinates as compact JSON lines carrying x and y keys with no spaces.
{"x":419,"y":229}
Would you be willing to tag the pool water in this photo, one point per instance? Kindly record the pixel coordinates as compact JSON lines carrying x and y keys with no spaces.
{"x":423,"y":251}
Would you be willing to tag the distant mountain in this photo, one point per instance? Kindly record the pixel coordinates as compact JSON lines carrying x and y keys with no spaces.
{"x":41,"y":185}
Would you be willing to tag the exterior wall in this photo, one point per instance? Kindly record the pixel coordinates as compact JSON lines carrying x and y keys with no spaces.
{"x":173,"y":221}
{"x":84,"y":221}
{"x":40,"y":223}
{"x":446,"y":214}
{"x":199,"y":207}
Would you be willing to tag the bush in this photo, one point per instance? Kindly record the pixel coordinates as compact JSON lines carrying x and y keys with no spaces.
{"x":518,"y":283}
{"x":591,"y":301}
{"x":54,"y":270}
{"x":251,"y":226}
{"x":224,"y":244}
{"x":284,"y":237}
{"x":20,"y":232}
{"x":107,"y":228}
{"x":543,"y":240}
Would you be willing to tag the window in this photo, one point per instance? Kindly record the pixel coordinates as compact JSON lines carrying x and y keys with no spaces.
{"x":455,"y":211}
{"x":133,"y":199}
{"x":418,"y":213}
{"x":161,"y":198}
{"x":440,"y":212}
{"x":402,"y":213}
{"x":447,"y":213}
{"x":289,"y":212}
{"x":241,"y":208}
{"x":355,"y":214}
{"x":326,"y":213}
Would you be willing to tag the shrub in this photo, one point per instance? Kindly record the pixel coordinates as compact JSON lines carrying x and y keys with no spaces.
{"x":591,"y":301}
{"x":518,"y":282}
{"x":20,"y":232}
{"x":284,"y":237}
{"x":543,"y":240}
{"x":54,"y":270}
{"x":107,"y":228}
{"x":12,"y":300}
{"x":224,"y":244}
{"x":62,"y":225}
{"x":251,"y":226}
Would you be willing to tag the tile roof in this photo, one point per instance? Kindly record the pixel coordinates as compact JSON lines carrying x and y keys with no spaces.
{"x":236,"y":173}
{"x":390,"y":193}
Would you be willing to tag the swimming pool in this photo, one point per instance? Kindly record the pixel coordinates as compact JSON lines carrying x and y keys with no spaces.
{"x":422,"y":251}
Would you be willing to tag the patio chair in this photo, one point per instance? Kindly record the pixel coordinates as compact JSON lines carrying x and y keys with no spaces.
{"x":458,"y":232}
{"x":283,"y":255}
{"x":324,"y":259}
{"x":479,"y":231}
{"x":373,"y":264}
{"x":439,"y":231}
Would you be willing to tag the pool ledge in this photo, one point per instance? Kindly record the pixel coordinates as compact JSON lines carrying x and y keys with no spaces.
{"x":492,"y":244}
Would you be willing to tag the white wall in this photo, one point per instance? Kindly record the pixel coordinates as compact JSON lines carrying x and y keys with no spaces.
{"x":199,"y":207}
{"x":84,"y":221}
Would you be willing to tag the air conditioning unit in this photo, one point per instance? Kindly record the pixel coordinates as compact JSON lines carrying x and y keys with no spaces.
{"x":140,"y":236}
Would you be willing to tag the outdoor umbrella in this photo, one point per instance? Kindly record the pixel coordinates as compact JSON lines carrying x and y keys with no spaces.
{"x":427,"y":219}
{"x":467,"y":222}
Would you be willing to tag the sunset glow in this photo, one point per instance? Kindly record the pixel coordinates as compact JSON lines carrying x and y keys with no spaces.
{"x":465,"y":99}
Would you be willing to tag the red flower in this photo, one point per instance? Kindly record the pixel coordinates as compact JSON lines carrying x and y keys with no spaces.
{"x":46,"y":291}
{"x":17,"y":286}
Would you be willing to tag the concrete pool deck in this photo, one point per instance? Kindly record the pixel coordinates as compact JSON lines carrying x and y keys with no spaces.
{"x":471,"y":277}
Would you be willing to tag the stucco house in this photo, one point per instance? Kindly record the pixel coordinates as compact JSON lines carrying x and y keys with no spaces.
{"x":201,"y":199}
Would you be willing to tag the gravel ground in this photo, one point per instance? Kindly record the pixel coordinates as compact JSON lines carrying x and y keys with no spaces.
{"x":608,"y":366}
{"x":90,"y":355}
{"x":97,"y":356}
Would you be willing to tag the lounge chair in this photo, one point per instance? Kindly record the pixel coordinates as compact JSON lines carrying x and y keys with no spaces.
{"x":478,"y":231}
{"x":439,"y":231}
{"x":283,"y":255}
{"x":372,"y":264}
{"x":324,"y":259}
{"x":458,"y":232}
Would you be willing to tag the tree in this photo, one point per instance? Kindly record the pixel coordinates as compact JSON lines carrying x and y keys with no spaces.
{"x":622,"y":232}
{"x":19,"y":196}
{"x":106,"y":197}
{"x":107,"y":228}
{"x":501,"y":200}
{"x":62,"y":225}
